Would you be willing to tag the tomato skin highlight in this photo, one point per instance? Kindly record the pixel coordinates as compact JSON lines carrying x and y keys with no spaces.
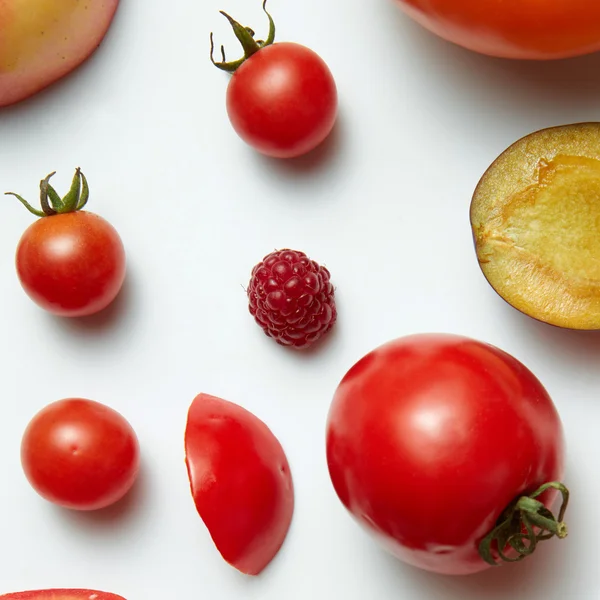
{"x":515,"y":29}
{"x":240,"y":480}
{"x":80,"y":454}
{"x":282,"y":100}
{"x":61,"y":594}
{"x":41,"y":41}
{"x":430,"y":437}
{"x":71,"y":264}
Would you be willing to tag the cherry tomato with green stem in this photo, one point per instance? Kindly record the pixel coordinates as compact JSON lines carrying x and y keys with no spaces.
{"x":70,"y":262}
{"x":282,"y":98}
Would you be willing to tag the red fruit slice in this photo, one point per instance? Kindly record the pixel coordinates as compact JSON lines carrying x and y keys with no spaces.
{"x":61,"y":594}
{"x":42,"y":41}
{"x":240,"y":480}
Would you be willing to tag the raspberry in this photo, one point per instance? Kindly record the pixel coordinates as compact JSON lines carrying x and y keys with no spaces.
{"x":292,"y":298}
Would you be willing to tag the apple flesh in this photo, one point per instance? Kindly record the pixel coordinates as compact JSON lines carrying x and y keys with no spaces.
{"x":535,"y":217}
{"x":41,"y":41}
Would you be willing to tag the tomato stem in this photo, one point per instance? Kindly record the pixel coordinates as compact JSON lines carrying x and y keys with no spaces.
{"x":523,"y":524}
{"x":245,"y":36}
{"x":51,"y":203}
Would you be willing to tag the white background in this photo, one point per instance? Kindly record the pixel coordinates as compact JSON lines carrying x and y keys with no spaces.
{"x":384,"y":204}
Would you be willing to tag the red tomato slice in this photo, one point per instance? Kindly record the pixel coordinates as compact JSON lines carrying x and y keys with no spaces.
{"x":61,"y":594}
{"x":240,"y":480}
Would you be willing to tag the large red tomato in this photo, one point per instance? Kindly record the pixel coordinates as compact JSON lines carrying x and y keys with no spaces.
{"x":522,"y":29}
{"x":70,"y":262}
{"x":282,"y":97}
{"x":43,"y":40}
{"x":430,"y":438}
{"x":240,"y":481}
{"x":80,"y":454}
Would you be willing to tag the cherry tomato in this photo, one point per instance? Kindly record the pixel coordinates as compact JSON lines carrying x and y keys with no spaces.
{"x":282,"y":98}
{"x":240,"y":481}
{"x":41,"y":41}
{"x":61,"y":594}
{"x":80,"y":454}
{"x":518,"y":29}
{"x":70,"y":262}
{"x":432,"y":437}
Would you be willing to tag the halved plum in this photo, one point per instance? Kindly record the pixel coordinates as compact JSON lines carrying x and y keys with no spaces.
{"x":535,"y":217}
{"x":240,"y":480}
{"x":61,"y":594}
{"x":41,"y":41}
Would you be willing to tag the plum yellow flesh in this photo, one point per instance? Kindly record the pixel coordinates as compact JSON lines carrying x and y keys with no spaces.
{"x":41,"y":41}
{"x":535,"y":216}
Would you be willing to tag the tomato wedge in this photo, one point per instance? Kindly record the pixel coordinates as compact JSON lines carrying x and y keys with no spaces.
{"x":240,"y":481}
{"x":61,"y":594}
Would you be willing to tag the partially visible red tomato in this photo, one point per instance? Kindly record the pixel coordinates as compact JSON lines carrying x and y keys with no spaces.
{"x":61,"y":594}
{"x":282,"y":97}
{"x":70,"y":262}
{"x":80,"y":454}
{"x":518,"y":29}
{"x":431,"y":437}
{"x":240,"y":480}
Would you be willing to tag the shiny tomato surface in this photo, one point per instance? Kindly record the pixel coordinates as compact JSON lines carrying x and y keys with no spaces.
{"x":430,"y":437}
{"x":71,"y":264}
{"x":240,"y":481}
{"x":518,"y":29}
{"x":282,"y":100}
{"x":80,"y":454}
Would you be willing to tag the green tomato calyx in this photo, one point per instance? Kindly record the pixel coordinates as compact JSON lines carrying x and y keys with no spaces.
{"x":523,"y":524}
{"x":245,"y":35}
{"x":52,"y":204}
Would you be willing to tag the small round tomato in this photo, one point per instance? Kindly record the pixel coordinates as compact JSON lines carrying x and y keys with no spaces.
{"x":80,"y":454}
{"x":282,"y":98}
{"x":70,"y":262}
{"x":41,"y":41}
{"x":449,"y":451}
{"x":518,"y":29}
{"x":240,"y":481}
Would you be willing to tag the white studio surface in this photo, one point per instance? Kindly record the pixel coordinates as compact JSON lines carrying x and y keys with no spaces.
{"x":383,"y":204}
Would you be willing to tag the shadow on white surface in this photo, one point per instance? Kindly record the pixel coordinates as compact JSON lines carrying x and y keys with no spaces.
{"x":569,"y":349}
{"x":316,"y":160}
{"x":542,"y":93}
{"x":113,"y":517}
{"x":532,"y":577}
{"x":106,"y":319}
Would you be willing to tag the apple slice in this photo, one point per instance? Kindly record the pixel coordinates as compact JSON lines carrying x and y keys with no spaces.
{"x":41,"y":41}
{"x":535,"y":217}
{"x":240,"y":481}
{"x":61,"y":594}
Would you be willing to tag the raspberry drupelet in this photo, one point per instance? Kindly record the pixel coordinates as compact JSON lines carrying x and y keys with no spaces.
{"x":291,"y":297}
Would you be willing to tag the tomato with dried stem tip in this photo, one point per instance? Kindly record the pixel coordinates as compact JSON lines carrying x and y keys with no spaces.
{"x":80,"y":454}
{"x":240,"y":481}
{"x":41,"y":41}
{"x":516,"y":29}
{"x":70,"y":262}
{"x":61,"y":594}
{"x":449,"y":451}
{"x":282,"y":97}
